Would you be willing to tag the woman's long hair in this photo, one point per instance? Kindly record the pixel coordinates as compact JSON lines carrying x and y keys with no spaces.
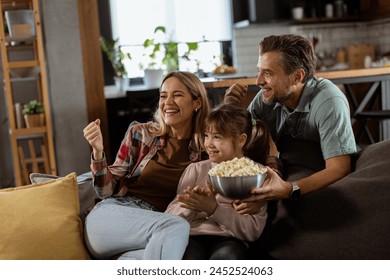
{"x":198,"y":91}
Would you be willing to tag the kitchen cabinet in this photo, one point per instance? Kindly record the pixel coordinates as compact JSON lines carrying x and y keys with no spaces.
{"x":375,"y":8}
{"x":24,"y":71}
{"x":260,"y":11}
{"x":264,"y":11}
{"x":240,"y":10}
{"x":342,"y":10}
{"x":137,"y":103}
{"x":118,"y":118}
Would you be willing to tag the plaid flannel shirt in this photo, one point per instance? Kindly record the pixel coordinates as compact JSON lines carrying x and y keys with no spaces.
{"x":137,"y":148}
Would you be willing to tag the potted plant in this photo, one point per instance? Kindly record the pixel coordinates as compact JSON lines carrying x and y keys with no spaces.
{"x":164,"y":56}
{"x":33,"y":113}
{"x":116,"y":56}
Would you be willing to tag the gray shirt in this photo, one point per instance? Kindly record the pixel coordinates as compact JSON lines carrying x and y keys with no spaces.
{"x":321,"y":119}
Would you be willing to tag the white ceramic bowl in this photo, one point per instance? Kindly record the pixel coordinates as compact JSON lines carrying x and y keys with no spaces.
{"x":237,"y":187}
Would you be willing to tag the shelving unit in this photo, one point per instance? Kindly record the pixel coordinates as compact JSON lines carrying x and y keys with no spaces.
{"x":25,"y":79}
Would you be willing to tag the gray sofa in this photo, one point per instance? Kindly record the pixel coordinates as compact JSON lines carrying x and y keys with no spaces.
{"x":349,"y":219}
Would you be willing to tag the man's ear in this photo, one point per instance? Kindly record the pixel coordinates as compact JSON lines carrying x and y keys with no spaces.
{"x":298,"y":76}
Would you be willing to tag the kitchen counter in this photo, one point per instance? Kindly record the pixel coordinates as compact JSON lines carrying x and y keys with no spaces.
{"x":335,"y":76}
{"x":124,"y":104}
{"x":228,"y":80}
{"x":379,"y":78}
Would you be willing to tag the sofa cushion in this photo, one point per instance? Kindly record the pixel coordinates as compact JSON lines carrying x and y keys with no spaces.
{"x":349,"y":219}
{"x":41,"y":221}
{"x":87,"y":195}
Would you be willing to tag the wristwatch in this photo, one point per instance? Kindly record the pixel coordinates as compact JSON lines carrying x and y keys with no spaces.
{"x":295,"y":193}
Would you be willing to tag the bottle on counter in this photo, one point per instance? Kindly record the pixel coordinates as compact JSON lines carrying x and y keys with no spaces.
{"x":339,"y":8}
{"x":367,"y":61}
{"x":341,"y":56}
{"x":329,"y":10}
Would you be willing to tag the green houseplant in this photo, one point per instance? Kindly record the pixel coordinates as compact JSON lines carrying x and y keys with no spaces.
{"x":164,"y":56}
{"x":33,"y":113}
{"x":169,"y":49}
{"x":116,"y":56}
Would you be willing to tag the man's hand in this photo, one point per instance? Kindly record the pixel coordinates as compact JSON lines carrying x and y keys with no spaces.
{"x":236,"y":93}
{"x":274,"y":188}
{"x":248,"y":207}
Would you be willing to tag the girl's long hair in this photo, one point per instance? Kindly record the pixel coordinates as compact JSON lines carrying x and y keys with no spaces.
{"x":231,"y":120}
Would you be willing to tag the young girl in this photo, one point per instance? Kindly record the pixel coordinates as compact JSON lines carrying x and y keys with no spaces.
{"x":218,"y":230}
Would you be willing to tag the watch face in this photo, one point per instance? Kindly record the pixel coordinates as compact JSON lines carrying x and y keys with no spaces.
{"x":295,"y":194}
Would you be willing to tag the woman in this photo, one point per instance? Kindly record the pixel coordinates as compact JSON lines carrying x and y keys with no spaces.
{"x":128,"y":222}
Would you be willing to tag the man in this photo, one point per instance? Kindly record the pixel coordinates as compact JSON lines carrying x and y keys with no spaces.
{"x":308,"y":117}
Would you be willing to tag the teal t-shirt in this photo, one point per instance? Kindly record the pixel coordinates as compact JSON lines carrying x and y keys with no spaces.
{"x":321,"y":118}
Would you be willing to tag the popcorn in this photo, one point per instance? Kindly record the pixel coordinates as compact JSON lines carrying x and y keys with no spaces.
{"x":237,"y":167}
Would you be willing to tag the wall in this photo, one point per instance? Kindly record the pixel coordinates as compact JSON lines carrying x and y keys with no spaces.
{"x":331,"y":37}
{"x":6,"y":169}
{"x":66,"y":84}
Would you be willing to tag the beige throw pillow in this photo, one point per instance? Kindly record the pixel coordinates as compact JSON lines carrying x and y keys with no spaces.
{"x":41,"y":221}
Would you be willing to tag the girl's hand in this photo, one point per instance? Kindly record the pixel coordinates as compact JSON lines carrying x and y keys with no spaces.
{"x":199,"y":199}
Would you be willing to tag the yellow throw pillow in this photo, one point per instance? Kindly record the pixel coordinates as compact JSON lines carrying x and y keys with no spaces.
{"x":41,"y":221}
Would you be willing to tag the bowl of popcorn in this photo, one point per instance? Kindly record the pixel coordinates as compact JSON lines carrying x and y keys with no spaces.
{"x":237,"y":177}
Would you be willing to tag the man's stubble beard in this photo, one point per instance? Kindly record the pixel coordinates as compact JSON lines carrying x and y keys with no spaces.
{"x":274,"y":99}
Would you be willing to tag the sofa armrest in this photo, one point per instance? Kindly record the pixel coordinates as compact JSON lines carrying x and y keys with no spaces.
{"x":349,"y":219}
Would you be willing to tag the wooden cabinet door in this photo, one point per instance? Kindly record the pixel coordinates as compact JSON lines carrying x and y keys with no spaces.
{"x":368,"y":7}
{"x":374,"y":8}
{"x":383,"y":7}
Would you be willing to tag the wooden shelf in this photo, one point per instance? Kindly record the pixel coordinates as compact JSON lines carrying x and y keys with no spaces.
{"x":15,"y":4}
{"x":23,"y":64}
{"x":328,"y":20}
{"x":9,"y":39}
{"x":26,"y":143}
{"x":23,"y":132}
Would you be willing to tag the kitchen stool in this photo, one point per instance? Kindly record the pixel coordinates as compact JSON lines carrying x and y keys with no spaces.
{"x":363,"y":118}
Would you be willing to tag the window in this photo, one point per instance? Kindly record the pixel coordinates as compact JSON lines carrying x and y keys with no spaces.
{"x":203,"y":21}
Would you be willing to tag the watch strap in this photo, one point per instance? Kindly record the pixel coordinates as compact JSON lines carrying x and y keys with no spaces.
{"x":295,"y":191}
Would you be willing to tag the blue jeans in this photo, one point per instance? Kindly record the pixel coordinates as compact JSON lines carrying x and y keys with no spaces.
{"x":130,"y":227}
